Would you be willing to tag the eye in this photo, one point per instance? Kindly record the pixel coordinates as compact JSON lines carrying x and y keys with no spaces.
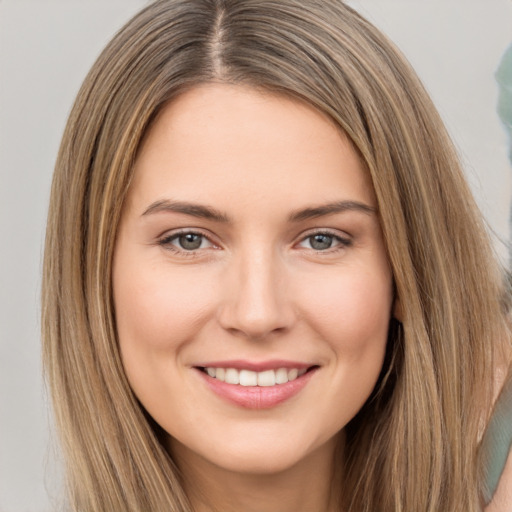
{"x":186,"y":241}
{"x":324,"y":241}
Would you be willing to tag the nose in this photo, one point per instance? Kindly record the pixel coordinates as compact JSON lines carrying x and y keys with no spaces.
{"x":257,"y":302}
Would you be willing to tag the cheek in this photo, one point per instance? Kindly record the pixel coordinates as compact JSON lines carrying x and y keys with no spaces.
{"x":158,"y":312}
{"x":351,"y":309}
{"x":157,"y":309}
{"x":351,"y":312}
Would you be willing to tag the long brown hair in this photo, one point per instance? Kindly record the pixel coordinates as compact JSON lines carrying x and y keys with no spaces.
{"x":414,"y":445}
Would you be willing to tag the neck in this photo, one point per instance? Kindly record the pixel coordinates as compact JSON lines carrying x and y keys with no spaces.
{"x":311,"y":484}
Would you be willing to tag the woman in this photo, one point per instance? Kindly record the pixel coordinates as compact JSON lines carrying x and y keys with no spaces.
{"x":267,"y":286}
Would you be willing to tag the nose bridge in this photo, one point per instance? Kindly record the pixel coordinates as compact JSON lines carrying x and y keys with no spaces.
{"x":257,"y":302}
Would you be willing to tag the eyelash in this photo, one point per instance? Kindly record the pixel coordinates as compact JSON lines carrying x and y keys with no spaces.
{"x":342,"y":242}
{"x":166,"y":242}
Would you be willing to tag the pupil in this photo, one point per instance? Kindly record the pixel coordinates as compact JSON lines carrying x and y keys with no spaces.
{"x":190,"y":241}
{"x":320,"y":242}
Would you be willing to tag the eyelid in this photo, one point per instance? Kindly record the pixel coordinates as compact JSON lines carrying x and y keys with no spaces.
{"x":167,"y":237}
{"x":164,"y":240}
{"x":344,"y":239}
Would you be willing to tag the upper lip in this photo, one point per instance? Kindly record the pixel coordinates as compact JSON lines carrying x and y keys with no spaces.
{"x":261,"y":366}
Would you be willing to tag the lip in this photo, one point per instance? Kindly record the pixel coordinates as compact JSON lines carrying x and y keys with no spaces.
{"x":241,"y":364}
{"x":257,"y":397}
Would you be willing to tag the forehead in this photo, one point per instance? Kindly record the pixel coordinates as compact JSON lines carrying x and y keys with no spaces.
{"x":234,"y":140}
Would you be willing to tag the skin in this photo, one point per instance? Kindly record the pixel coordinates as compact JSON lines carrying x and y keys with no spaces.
{"x":257,"y":288}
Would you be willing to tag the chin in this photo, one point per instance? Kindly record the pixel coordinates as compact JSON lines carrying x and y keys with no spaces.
{"x":265,"y":454}
{"x":258,"y":462}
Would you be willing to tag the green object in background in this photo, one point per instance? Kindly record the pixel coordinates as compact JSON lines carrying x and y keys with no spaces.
{"x":504,"y":79}
{"x":497,"y":441}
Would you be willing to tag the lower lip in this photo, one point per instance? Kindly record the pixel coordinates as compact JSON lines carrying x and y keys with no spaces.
{"x":257,"y":397}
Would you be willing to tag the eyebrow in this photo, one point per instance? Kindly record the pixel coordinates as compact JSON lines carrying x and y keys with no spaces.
{"x":210,"y":213}
{"x":330,"y":209}
{"x":192,"y":209}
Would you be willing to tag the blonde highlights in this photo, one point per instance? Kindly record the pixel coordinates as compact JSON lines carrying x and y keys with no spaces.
{"x":414,"y":445}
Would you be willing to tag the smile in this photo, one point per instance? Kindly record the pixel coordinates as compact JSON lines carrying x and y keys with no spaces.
{"x":265,"y":378}
{"x":261,"y":387}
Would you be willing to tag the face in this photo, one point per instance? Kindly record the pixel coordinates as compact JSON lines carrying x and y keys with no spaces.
{"x":251,"y":284}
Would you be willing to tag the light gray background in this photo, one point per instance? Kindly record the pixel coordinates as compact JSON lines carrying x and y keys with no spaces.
{"x":47,"y":46}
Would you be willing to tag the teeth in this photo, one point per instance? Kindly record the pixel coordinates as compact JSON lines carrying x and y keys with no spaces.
{"x":292,"y":374}
{"x":250,"y":378}
{"x":267,"y":378}
{"x":282,"y":376}
{"x":232,"y":376}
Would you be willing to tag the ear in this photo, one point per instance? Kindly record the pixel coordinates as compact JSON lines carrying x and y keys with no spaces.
{"x":397,"y":309}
